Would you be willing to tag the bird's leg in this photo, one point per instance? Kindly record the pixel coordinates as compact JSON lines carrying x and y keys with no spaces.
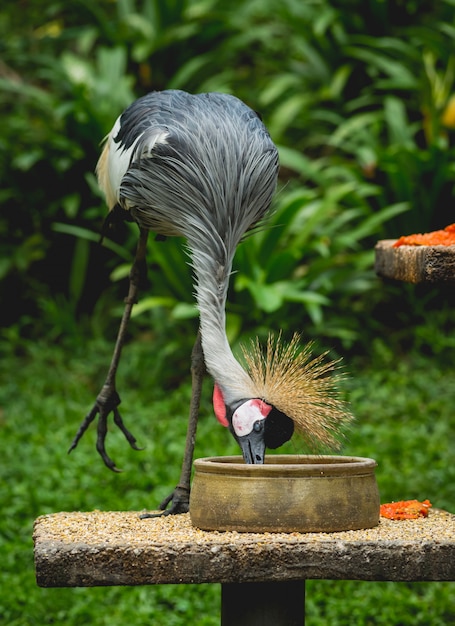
{"x":108,"y":399}
{"x":180,"y":497}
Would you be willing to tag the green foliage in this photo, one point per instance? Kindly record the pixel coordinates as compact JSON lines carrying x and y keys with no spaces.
{"x":316,"y":235}
{"x":357,"y":96}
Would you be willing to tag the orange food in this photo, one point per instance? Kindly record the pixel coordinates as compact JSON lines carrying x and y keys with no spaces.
{"x":406,"y":509}
{"x":444,"y":237}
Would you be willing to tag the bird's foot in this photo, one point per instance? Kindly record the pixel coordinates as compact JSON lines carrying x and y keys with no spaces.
{"x":107,"y":402}
{"x":180,"y":499}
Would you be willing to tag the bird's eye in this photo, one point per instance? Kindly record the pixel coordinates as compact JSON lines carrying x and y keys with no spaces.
{"x":257,"y":426}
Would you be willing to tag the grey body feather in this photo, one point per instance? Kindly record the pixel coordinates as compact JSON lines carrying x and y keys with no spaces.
{"x":202,"y":167}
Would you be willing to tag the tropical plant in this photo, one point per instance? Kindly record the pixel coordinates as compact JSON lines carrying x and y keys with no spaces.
{"x":359,"y":98}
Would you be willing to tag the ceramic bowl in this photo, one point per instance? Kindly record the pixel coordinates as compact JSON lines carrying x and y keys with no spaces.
{"x":289,"y":493}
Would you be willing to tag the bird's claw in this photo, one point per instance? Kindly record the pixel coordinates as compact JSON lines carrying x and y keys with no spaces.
{"x":180,"y":499}
{"x":107,"y":402}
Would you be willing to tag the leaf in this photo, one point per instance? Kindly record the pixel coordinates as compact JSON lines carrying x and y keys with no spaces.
{"x":372,"y":223}
{"x":400,"y":131}
{"x":277,"y":88}
{"x":285,"y":114}
{"x":79,"y":267}
{"x":152,"y":302}
{"x":353,"y":126}
{"x":89,"y":235}
{"x":184,"y":311}
{"x":402,"y":74}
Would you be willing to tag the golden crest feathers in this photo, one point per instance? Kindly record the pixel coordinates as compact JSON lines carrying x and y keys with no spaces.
{"x":303,"y":388}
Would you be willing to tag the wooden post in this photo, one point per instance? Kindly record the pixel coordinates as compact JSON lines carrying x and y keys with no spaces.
{"x":263,"y":604}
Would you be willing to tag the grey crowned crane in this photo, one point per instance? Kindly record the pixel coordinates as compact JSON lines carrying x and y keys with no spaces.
{"x":205,"y":168}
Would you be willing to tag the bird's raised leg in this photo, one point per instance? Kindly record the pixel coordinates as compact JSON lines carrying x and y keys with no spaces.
{"x":180,"y":497}
{"x":108,"y":399}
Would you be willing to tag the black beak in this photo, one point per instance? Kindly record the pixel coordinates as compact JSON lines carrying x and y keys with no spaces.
{"x":253,"y":445}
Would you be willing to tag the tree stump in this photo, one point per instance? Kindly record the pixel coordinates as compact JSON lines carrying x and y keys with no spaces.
{"x":415,"y":264}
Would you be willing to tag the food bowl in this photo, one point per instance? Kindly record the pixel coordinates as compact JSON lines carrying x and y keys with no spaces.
{"x":289,"y":493}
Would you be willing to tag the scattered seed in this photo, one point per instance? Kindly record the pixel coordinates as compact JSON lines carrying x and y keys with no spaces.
{"x":99,"y":528}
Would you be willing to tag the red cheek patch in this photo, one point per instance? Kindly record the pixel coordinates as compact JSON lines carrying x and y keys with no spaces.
{"x":219,"y":407}
{"x":263,"y":408}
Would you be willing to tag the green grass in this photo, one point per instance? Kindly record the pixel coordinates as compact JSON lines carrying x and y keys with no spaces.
{"x":404,"y":410}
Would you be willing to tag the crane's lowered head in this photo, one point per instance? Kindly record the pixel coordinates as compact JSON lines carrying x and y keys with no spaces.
{"x":254,"y":424}
{"x":291,"y":391}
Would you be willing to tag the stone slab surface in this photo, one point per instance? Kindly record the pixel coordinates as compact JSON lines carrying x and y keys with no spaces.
{"x":118,"y":548}
{"x":415,"y":264}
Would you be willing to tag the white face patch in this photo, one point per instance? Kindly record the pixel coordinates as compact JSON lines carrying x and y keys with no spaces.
{"x":247,"y":414}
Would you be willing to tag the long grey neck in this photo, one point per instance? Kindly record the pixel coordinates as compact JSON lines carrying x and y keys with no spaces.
{"x":212,"y":272}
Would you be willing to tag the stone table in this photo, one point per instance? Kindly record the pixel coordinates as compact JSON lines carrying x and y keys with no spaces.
{"x":262,"y":575}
